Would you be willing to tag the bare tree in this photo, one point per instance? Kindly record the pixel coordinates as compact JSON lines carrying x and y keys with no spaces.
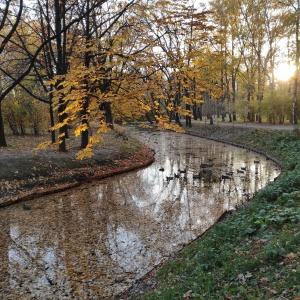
{"x":10,"y":16}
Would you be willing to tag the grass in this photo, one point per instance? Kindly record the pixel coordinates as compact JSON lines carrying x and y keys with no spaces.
{"x":125,"y":144}
{"x":253,"y":254}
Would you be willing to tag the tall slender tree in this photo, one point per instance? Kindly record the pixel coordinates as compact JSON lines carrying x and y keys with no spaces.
{"x":10,"y":16}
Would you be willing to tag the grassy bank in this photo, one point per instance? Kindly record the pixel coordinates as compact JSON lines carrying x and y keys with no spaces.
{"x":254,"y":253}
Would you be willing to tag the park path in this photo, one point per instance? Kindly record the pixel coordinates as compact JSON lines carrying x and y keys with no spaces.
{"x":249,"y":125}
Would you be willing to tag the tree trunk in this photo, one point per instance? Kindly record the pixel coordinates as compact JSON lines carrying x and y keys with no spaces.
{"x":188,"y":119}
{"x":148,"y":118}
{"x":177,"y":119}
{"x":108,"y":114}
{"x":223,"y":117}
{"x":52,"y":123}
{"x":177,"y":100}
{"x":296,"y":79}
{"x":2,"y":133}
{"x":84,"y":121}
{"x":200,"y":112}
{"x":87,"y":60}
{"x":62,"y":130}
{"x":234,"y":116}
{"x":61,"y":68}
{"x":195,"y":111}
{"x":84,"y":138}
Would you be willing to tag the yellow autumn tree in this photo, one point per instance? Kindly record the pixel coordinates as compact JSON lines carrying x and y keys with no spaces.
{"x":137,"y":65}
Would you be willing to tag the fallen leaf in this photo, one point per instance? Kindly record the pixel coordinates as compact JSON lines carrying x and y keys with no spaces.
{"x":241,"y":277}
{"x":291,"y":256}
{"x":188,"y":294}
{"x":264,"y":280}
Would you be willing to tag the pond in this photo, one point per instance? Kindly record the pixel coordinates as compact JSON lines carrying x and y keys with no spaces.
{"x":94,"y":241}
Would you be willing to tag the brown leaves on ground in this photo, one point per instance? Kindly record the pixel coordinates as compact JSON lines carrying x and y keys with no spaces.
{"x":27,"y":173}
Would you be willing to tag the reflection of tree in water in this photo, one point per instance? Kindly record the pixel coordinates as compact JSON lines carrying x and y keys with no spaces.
{"x":32,"y":262}
{"x":4,"y":262}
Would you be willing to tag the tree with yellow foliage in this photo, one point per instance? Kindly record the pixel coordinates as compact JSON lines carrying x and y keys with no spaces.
{"x":138,"y":63}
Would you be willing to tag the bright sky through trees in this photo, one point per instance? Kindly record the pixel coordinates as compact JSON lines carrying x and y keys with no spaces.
{"x":284,"y":71}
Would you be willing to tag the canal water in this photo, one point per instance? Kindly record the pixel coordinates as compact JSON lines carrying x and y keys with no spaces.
{"x":94,"y":241}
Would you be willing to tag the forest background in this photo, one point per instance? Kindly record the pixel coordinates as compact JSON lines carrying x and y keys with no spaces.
{"x":65,"y":65}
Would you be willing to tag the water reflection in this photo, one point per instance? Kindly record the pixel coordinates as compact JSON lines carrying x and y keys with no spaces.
{"x":92,"y":242}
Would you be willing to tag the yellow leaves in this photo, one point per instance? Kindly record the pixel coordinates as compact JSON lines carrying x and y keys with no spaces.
{"x":188,"y":100}
{"x":80,"y":128}
{"x":290,"y":258}
{"x":61,"y":137}
{"x":103,"y":128}
{"x":128,"y":81}
{"x":174,"y":127}
{"x":60,"y":125}
{"x":183,"y":112}
{"x":163,"y":3}
{"x":87,"y":152}
{"x":95,"y":139}
{"x":145,"y":107}
{"x":164,"y":124}
{"x":72,"y":108}
{"x":43,"y":145}
{"x":170,"y":107}
{"x":145,"y":125}
{"x":156,"y":104}
{"x":52,"y":82}
{"x":199,"y":101}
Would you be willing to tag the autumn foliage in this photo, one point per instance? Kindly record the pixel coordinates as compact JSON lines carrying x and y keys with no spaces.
{"x":156,"y":61}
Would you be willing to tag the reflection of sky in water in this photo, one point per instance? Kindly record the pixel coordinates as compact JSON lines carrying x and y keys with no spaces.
{"x":188,"y":154}
{"x":95,"y":240}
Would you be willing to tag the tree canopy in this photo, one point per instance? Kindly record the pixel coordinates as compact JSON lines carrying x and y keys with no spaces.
{"x":101,"y":62}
